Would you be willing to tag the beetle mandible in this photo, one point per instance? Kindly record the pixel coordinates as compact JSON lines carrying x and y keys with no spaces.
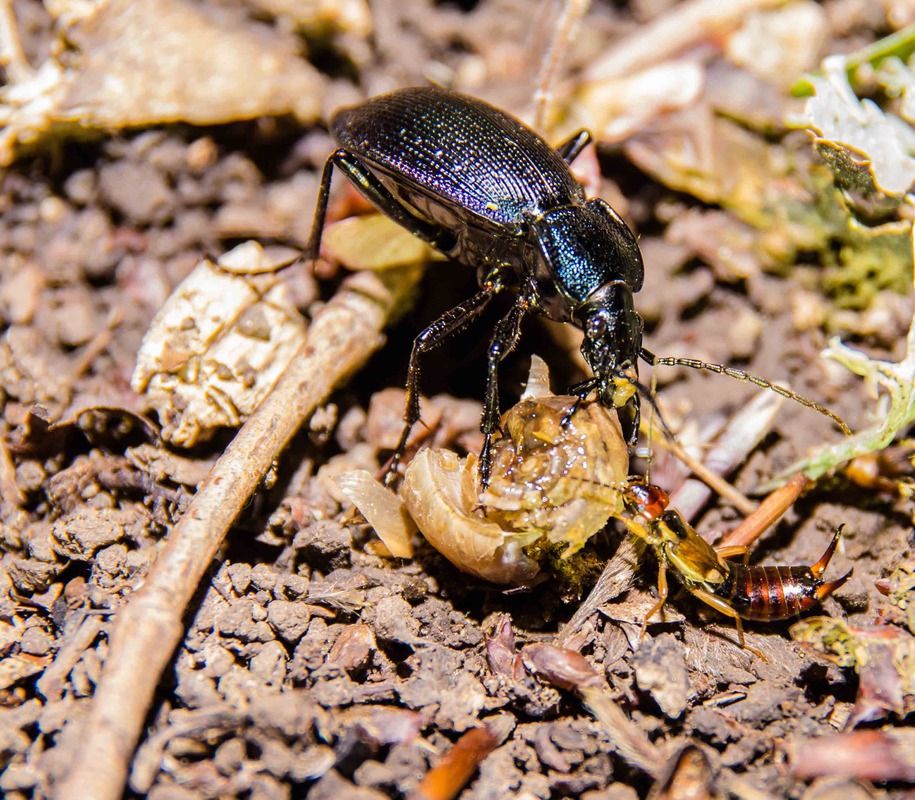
{"x":484,"y":189}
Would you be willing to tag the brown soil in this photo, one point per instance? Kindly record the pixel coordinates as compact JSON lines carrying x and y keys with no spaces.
{"x":310,"y":666}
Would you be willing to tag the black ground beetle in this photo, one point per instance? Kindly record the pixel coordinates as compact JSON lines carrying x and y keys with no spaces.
{"x":484,"y":189}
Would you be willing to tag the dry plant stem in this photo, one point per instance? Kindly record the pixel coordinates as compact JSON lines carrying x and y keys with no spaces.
{"x":446,"y":779}
{"x":12,"y":56}
{"x":197,"y":723}
{"x":740,"y":437}
{"x":9,"y":488}
{"x":672,"y":473}
{"x":710,"y":477}
{"x":566,"y":27}
{"x":148,"y":629}
{"x":51,"y":683}
{"x":685,"y":25}
{"x":770,"y":510}
{"x":616,"y":578}
{"x":627,"y":737}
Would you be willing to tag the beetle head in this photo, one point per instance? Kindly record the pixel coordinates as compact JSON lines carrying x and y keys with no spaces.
{"x":612,"y":341}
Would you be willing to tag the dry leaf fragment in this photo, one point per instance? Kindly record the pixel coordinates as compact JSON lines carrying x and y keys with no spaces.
{"x":219,"y":343}
{"x":382,"y":509}
{"x":373,"y":241}
{"x":882,"y":655}
{"x":126,"y":63}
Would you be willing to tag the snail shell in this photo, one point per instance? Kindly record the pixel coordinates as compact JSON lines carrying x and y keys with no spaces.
{"x":550,"y":482}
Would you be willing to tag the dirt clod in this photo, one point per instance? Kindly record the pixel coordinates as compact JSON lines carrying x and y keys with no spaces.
{"x":315,"y":662}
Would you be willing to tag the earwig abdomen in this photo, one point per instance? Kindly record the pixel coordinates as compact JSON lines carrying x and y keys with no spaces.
{"x":769,"y":594}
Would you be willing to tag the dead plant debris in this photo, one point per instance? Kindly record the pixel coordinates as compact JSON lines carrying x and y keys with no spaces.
{"x":191,"y":608}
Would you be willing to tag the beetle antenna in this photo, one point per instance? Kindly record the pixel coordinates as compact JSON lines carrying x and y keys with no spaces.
{"x":745,"y":377}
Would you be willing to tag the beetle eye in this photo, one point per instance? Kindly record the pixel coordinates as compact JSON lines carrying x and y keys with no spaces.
{"x":597,"y":325}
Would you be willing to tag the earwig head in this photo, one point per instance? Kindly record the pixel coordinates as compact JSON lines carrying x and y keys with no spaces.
{"x":645,"y":500}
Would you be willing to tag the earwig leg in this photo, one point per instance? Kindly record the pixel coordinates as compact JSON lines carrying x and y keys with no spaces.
{"x":502,"y":343}
{"x":733,"y":551}
{"x":663,"y":592}
{"x":447,"y":324}
{"x":722,"y":607}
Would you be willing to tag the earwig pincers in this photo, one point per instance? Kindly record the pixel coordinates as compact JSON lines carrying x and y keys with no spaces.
{"x":737,"y":590}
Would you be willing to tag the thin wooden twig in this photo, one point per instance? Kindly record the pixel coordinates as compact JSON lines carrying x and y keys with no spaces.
{"x":53,"y":679}
{"x":768,"y":512}
{"x":740,"y":437}
{"x":566,"y":27}
{"x":668,"y":35}
{"x":449,"y":776}
{"x":710,"y":478}
{"x":149,"y":628}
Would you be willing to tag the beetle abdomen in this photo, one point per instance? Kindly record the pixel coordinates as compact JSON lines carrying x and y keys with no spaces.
{"x":459,"y":149}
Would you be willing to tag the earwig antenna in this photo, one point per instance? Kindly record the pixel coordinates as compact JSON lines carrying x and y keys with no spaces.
{"x":652,"y":392}
{"x":649,"y":395}
{"x":745,"y":377}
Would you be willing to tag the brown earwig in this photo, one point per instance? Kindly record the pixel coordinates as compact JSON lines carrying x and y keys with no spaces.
{"x":740,"y":591}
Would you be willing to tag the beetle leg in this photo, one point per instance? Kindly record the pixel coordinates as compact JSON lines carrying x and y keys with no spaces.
{"x":581,"y":392}
{"x":317,"y":224}
{"x":572,"y":147}
{"x":374,"y":191}
{"x":502,"y":343}
{"x":629,"y":414}
{"x":449,"y":323}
